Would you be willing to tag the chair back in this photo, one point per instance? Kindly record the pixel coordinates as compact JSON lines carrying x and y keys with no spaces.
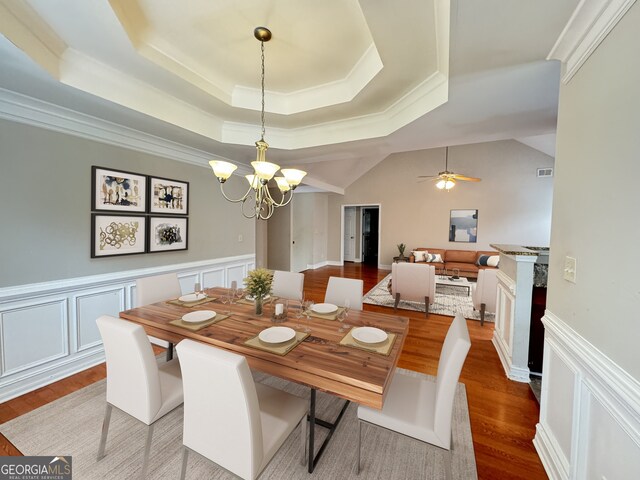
{"x":133,"y":384}
{"x":157,"y":288}
{"x":486,"y":289}
{"x":413,"y":281}
{"x":288,"y":285}
{"x":221,"y":410}
{"x":452,"y":357}
{"x":340,"y":289}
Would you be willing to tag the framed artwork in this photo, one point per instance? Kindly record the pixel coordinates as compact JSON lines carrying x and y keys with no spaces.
{"x":168,"y":234}
{"x":117,"y":235}
{"x":463,"y":226}
{"x":168,"y":196}
{"x":116,"y":190}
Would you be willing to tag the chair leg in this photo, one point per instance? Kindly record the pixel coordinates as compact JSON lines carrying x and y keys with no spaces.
{"x":303,"y":437}
{"x":147,"y":450}
{"x":483,"y":306}
{"x":185,"y":458}
{"x":105,"y":431}
{"x":426,"y":306}
{"x":359,"y":447}
{"x":395,"y":305}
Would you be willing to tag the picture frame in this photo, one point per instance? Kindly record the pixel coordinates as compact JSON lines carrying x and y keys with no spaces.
{"x":167,"y":234}
{"x":168,"y":196}
{"x":118,"y":190}
{"x":463,"y":226}
{"x":115,"y":235}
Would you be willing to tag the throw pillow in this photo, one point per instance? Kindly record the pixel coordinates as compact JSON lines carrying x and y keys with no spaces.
{"x":493,"y":261}
{"x":418,"y":255}
{"x":433,"y":258}
{"x":482,"y":260}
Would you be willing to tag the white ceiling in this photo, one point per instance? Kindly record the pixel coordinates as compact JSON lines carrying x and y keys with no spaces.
{"x":348,"y":82}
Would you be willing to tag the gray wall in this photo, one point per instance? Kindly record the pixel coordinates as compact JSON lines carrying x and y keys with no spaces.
{"x":279,"y":238}
{"x":514,"y":205}
{"x":596,"y":199}
{"x":46,"y":208}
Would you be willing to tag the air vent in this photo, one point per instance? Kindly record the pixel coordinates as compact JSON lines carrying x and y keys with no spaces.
{"x":545,"y":172}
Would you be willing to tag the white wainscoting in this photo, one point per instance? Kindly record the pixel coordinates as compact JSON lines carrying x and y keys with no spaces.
{"x":589,"y":411}
{"x":48,"y":330}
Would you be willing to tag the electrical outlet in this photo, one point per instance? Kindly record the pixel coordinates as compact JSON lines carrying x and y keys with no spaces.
{"x":240,"y":238}
{"x":570,"y":269}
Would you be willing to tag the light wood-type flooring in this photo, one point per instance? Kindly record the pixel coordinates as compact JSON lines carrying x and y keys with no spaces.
{"x":503,"y":413}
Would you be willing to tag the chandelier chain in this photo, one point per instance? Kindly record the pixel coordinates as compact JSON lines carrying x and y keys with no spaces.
{"x":262,"y":88}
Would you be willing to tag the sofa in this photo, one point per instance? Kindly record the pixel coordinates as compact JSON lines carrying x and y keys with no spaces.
{"x":466,"y":261}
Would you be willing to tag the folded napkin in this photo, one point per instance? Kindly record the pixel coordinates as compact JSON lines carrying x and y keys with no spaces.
{"x":383,"y":348}
{"x":279,"y":349}
{"x":326,"y":316}
{"x":191,"y":304}
{"x":194,"y":327}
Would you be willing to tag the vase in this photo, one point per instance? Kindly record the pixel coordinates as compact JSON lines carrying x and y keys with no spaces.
{"x":258,"y":302}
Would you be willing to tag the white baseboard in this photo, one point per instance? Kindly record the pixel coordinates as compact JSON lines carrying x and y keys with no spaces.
{"x":64,"y":312}
{"x":586,"y":397}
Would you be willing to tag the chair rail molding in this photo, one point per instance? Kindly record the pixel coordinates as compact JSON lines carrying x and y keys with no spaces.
{"x":585,"y":397}
{"x":48,"y":330}
{"x":588,"y":26}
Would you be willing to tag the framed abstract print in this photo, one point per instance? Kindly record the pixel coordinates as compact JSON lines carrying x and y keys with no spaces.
{"x":463,"y":226}
{"x":168,"y":234}
{"x":117,"y":235}
{"x":118,"y":191}
{"x":168,"y":196}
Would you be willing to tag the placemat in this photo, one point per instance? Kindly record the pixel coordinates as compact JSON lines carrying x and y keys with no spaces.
{"x":191,"y":304}
{"x":384,"y":349}
{"x":244,"y":301}
{"x":326,"y":316}
{"x":281,"y":350}
{"x":194,"y":327}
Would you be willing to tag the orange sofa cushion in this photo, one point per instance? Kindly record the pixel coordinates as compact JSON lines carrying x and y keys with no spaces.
{"x":461,"y":256}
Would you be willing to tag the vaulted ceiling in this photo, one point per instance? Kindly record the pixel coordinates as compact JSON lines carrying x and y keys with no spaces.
{"x":348,"y":82}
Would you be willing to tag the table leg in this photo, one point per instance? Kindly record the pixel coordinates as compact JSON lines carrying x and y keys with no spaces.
{"x":170,"y":352}
{"x":313,"y":421}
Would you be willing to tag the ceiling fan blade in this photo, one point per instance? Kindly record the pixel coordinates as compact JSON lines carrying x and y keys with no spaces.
{"x":465,"y":178}
{"x":428,"y":176}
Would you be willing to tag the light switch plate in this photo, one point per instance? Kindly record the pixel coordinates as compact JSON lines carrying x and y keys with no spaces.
{"x":570,"y":269}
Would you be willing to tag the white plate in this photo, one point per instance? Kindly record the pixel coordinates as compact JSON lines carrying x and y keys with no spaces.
{"x":250,"y":297}
{"x":275,"y":335}
{"x":369,"y":335}
{"x":198,"y":316}
{"x":324,"y":308}
{"x":192,"y":297}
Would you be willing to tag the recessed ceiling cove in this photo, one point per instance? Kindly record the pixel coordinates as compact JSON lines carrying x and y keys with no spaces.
{"x":335,"y":70}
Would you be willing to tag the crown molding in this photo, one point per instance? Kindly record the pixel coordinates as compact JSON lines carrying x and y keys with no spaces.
{"x":30,"y":111}
{"x":590,"y":23}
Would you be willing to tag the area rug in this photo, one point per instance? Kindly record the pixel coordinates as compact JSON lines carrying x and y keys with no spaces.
{"x":71,"y":426}
{"x":449,"y":301}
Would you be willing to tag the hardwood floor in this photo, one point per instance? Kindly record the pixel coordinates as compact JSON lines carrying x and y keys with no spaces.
{"x":503,"y":413}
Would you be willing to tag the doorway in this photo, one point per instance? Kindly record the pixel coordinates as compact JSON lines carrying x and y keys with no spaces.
{"x":370,"y":230}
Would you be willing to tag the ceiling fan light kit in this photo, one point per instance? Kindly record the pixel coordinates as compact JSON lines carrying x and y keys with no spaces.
{"x":446,"y":180}
{"x":258,"y":197}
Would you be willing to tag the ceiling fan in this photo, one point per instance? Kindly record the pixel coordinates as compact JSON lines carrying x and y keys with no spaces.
{"x":447,"y":180}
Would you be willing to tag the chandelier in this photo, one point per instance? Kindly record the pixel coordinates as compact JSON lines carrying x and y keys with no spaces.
{"x":257,"y":202}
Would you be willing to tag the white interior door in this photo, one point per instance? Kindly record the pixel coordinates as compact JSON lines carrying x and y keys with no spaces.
{"x":350,"y":234}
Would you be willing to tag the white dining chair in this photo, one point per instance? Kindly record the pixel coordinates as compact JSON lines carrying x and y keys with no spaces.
{"x":157,"y":288}
{"x":413,"y":282}
{"x":340,"y":289}
{"x":136,"y":384}
{"x":288,"y":285}
{"x":485,"y":292}
{"x":228,"y":418}
{"x":419,"y":407}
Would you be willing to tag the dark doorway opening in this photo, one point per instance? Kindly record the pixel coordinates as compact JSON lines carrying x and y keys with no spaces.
{"x":370,"y":224}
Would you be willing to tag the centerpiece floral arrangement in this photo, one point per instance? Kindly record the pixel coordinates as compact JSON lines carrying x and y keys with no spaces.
{"x":258,"y":285}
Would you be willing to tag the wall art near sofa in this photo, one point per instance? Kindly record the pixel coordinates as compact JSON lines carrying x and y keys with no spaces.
{"x":116,"y":190}
{"x":168,"y":196}
{"x":168,"y":234}
{"x":117,"y":235}
{"x":463,"y":226}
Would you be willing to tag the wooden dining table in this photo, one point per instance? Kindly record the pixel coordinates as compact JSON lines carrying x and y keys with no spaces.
{"x":318,"y":362}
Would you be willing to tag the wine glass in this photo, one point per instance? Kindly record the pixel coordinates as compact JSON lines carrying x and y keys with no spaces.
{"x":342,"y":315}
{"x":232,"y":294}
{"x":225,"y":301}
{"x":346,"y":307}
{"x":308,"y":306}
{"x":299,"y":313}
{"x":197,"y":289}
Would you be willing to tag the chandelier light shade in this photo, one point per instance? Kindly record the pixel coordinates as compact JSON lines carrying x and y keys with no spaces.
{"x":257,"y":202}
